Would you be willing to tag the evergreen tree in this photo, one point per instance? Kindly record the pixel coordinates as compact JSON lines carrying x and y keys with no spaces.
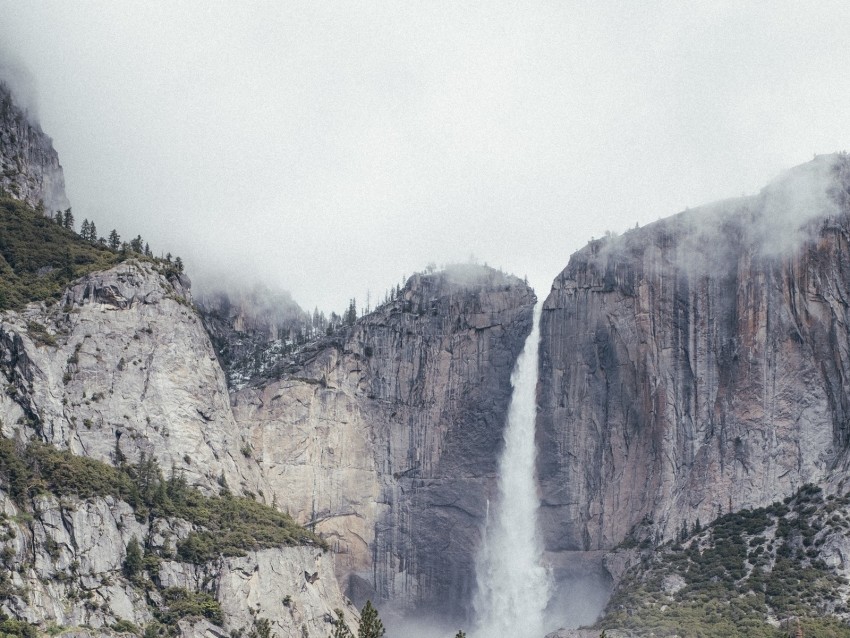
{"x":148,"y":252}
{"x":92,"y":232}
{"x":370,"y":623}
{"x":58,"y":217}
{"x":136,"y":245}
{"x":178,"y":264}
{"x":114,"y":239}
{"x":133,"y":560}
{"x":460,"y":634}
{"x":351,"y":313}
{"x":341,"y":630}
{"x":84,"y":229}
{"x":68,"y":219}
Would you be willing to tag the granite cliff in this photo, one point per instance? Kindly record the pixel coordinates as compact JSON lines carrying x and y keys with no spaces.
{"x":29,"y":165}
{"x":121,"y":371}
{"x":382,"y":436}
{"x":251,"y":328}
{"x":385,"y":436}
{"x":698,"y":365}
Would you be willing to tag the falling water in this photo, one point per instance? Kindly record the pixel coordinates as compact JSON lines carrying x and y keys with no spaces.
{"x":513,"y":585}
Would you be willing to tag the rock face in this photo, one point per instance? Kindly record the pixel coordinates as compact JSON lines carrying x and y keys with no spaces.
{"x":251,"y":329}
{"x":386,"y":437}
{"x":29,"y":165}
{"x":698,"y":365}
{"x":122,"y":366}
{"x":64,"y":566}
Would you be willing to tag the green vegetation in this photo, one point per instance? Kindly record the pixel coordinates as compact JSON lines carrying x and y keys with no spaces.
{"x":747,"y":566}
{"x":38,"y":257}
{"x":124,"y":626}
{"x":226,"y":525}
{"x":370,"y":623}
{"x":182,"y":603}
{"x":341,"y":629}
{"x":16,"y":628}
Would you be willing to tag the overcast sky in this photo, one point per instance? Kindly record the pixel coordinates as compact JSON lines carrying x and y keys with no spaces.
{"x":330,"y":148}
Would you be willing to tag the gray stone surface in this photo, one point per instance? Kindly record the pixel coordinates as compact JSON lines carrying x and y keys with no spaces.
{"x":29,"y":165}
{"x":699,"y":364}
{"x":387,"y":438}
{"x":67,"y":561}
{"x":132,"y":369}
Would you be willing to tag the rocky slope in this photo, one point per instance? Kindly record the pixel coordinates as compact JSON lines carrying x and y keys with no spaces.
{"x":120,"y":367}
{"x":251,"y":328}
{"x":699,"y":365}
{"x":65,"y":560}
{"x":383,"y":435}
{"x":386,"y":435}
{"x":771,"y":572}
{"x":119,"y":371}
{"x":29,"y":165}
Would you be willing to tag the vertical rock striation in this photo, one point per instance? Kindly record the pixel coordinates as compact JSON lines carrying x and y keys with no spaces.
{"x":699,"y":364}
{"x":387,"y":438}
{"x":29,"y":165}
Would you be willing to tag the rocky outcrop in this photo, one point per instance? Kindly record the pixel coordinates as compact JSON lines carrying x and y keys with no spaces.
{"x":698,"y":365}
{"x":29,"y":165}
{"x":251,"y":329}
{"x":64,"y":563}
{"x":386,"y":436}
{"x":122,"y":366}
{"x":119,"y":370}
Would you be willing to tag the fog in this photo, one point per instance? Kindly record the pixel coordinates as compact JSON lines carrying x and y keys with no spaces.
{"x":330,"y":149}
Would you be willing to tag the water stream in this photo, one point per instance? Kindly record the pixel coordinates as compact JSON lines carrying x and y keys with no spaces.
{"x":514,"y":586}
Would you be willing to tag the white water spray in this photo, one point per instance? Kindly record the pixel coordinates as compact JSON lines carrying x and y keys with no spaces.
{"x":513,"y":585}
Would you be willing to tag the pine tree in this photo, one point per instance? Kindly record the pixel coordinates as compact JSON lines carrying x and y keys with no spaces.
{"x":370,"y":623}
{"x":114,"y":239}
{"x":133,"y":560}
{"x":84,"y":229}
{"x":92,"y":232}
{"x":178,"y":264}
{"x":460,"y":634}
{"x":351,"y":313}
{"x":58,"y":217}
{"x":341,"y":630}
{"x":68,"y":219}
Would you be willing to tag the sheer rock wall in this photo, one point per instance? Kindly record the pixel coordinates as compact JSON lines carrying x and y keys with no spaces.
{"x":387,"y":438}
{"x":699,"y":364}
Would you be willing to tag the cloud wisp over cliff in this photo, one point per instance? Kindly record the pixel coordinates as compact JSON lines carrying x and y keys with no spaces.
{"x":336,"y":148}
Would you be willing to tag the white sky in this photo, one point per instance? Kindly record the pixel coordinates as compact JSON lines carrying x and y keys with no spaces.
{"x":331,"y":148}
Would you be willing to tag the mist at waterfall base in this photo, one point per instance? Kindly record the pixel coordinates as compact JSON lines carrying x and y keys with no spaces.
{"x":518,"y":595}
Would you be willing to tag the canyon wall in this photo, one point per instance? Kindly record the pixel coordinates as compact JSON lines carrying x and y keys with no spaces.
{"x":29,"y":165}
{"x":120,"y":367}
{"x":698,"y":365}
{"x":386,"y":436}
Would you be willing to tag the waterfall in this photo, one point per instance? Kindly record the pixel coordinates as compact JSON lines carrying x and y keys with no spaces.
{"x":513,"y":585}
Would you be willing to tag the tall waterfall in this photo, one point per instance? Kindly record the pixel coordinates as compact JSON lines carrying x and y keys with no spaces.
{"x":513,"y":585}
